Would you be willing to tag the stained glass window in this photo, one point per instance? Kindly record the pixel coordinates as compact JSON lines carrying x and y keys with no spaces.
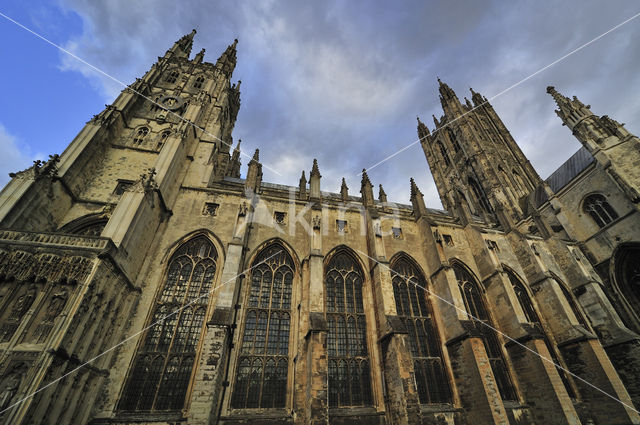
{"x":349,"y":374}
{"x":161,"y":371}
{"x":474,"y":304}
{"x":414,"y":310}
{"x":261,"y":377}
{"x":533,"y":317}
{"x":598,"y":208}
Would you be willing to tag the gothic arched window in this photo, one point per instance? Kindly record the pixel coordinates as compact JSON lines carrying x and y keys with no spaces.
{"x":414,"y":309}
{"x":141,"y":133}
{"x":475,"y":307}
{"x":161,"y":371}
{"x":444,"y":154}
{"x":199,"y":82}
{"x":480,"y":195}
{"x":454,"y":140}
{"x":172,"y":77}
{"x":349,"y":374}
{"x":577,"y":311}
{"x":261,"y":377}
{"x":532,"y":317}
{"x":598,"y":208}
{"x":627,"y":276}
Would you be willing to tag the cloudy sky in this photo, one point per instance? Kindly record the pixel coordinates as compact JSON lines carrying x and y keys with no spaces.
{"x":340,"y":81}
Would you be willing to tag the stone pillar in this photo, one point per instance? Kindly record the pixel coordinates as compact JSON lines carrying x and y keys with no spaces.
{"x":215,"y":365}
{"x":403,"y":405}
{"x":585,"y":358}
{"x":475,"y":382}
{"x":316,"y":367}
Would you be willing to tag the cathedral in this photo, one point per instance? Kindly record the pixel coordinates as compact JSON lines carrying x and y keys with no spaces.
{"x":145,"y":279}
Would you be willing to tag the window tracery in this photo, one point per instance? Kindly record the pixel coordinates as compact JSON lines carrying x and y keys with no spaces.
{"x":599,"y":209}
{"x":480,"y":196}
{"x":263,"y":363}
{"x":444,"y":154}
{"x":172,"y":77}
{"x":349,"y":374}
{"x":141,"y":133}
{"x":160,"y":374}
{"x":414,"y":310}
{"x":532,"y":317}
{"x":199,"y":82}
{"x":474,"y":305}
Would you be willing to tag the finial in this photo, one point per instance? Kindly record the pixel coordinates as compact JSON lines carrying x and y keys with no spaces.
{"x":314,"y":169}
{"x":365,"y":178}
{"x":256,"y":155}
{"x":238,"y":145}
{"x":382,"y":196}
{"x":235,"y":43}
{"x":238,"y":86}
{"x":303,"y":178}
{"x":414,"y":189}
{"x":435,"y":121}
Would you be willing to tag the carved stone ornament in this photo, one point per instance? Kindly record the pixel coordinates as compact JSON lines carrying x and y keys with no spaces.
{"x":242,"y":209}
{"x":10,"y":384}
{"x":171,"y":103}
{"x":316,"y":221}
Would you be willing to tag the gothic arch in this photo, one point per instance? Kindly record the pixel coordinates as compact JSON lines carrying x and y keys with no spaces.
{"x":414,"y":309}
{"x":625,"y":278}
{"x":572,"y":301}
{"x":476,"y":306}
{"x":160,"y":374}
{"x":597,"y":206}
{"x":349,"y":251}
{"x":88,"y":225}
{"x":284,"y":244}
{"x":263,"y":361}
{"x":533,"y":316}
{"x":348,"y":342}
{"x":217,"y":243}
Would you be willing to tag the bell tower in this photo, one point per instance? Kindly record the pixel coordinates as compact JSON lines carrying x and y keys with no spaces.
{"x":473,"y":156}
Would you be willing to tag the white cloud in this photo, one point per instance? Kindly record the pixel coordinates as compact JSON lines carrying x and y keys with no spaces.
{"x":13,"y":155}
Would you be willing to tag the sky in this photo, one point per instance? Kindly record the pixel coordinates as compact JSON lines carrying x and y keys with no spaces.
{"x":342,"y":82}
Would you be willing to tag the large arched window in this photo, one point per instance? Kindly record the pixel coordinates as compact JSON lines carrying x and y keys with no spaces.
{"x":444,"y":154}
{"x":577,"y":311}
{"x":160,"y":375}
{"x":474,"y":304}
{"x":480,"y":195}
{"x":349,"y":375}
{"x":598,"y":208}
{"x":261,"y":377}
{"x":414,"y":309}
{"x":627,"y":276}
{"x":532,"y":317}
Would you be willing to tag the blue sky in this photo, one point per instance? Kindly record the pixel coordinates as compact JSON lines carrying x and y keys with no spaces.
{"x":340,"y":81}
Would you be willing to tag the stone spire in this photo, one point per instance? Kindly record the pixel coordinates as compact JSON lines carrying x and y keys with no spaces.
{"x":423,"y":131}
{"x":199,"y":58}
{"x":366,"y":189}
{"x":227,"y":61}
{"x":450,"y":102}
{"x":303,"y":186}
{"x":477,"y":98}
{"x":344,"y":191}
{"x":417,"y":200}
{"x":183,"y":46}
{"x":234,"y":164}
{"x":314,"y":181}
{"x":570,"y":111}
{"x":254,"y":174}
{"x":382,"y":196}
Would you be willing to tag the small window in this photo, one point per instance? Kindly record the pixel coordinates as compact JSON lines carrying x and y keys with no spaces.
{"x":448,"y":240}
{"x":341,"y":226}
{"x":210,"y":208}
{"x":598,"y":208}
{"x":199,"y":82}
{"x":279,"y":217}
{"x":492,"y":245}
{"x":172,"y":77}
{"x":397,"y":232}
{"x":122,"y":186}
{"x":140,"y":135}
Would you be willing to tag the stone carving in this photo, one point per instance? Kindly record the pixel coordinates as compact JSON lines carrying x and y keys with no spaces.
{"x":56,"y":303}
{"x":10,"y":384}
{"x":242,"y":209}
{"x":316,"y":221}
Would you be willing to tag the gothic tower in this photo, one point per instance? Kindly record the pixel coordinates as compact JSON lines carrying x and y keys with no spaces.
{"x":473,"y":156}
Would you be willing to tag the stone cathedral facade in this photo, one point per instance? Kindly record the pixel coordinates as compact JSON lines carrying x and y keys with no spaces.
{"x":143,"y":280}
